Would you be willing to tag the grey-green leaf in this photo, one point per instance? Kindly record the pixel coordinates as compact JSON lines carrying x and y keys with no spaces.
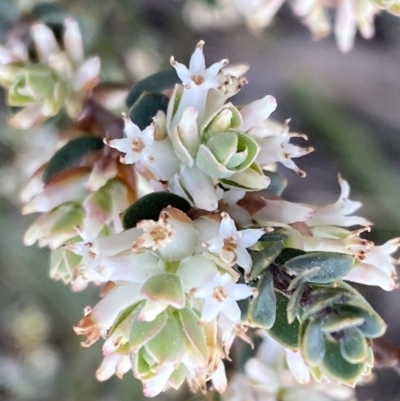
{"x":152,"y":84}
{"x":312,"y":343}
{"x":262,"y":310}
{"x":70,"y":155}
{"x":263,"y":258}
{"x":333,"y":266}
{"x":354,"y":346}
{"x":147,"y":106}
{"x":285,"y":333}
{"x":149,"y":207}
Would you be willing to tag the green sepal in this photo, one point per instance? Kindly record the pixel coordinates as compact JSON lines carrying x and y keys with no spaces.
{"x":70,"y":155}
{"x":141,"y":332}
{"x":333,"y":266}
{"x":354,"y":346}
{"x":122,"y":316}
{"x":147,"y":106}
{"x":168,"y":345}
{"x":283,"y":332}
{"x":149,"y":207}
{"x":336,"y":368}
{"x":178,"y":376}
{"x":154,"y":83}
{"x":165,"y":287}
{"x":278,"y":183}
{"x":262,"y":309}
{"x":312,"y":342}
{"x":262,"y":259}
{"x":194,"y":335}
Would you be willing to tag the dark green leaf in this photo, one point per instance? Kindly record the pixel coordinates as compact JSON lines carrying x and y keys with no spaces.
{"x":279,"y":234}
{"x":337,"y":368}
{"x":294,"y":308}
{"x":312,"y":343}
{"x":263,"y":258}
{"x":333,"y":266}
{"x":147,"y":106}
{"x":341,"y":318}
{"x":354,"y":346}
{"x":278,"y":183}
{"x":71,"y":155}
{"x":262,"y":308}
{"x":149,"y":207}
{"x":155,"y":83}
{"x":285,"y":333}
{"x":287,"y":254}
{"x":304,"y":277}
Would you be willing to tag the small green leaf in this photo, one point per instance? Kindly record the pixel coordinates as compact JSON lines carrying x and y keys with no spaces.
{"x":155,"y":83}
{"x":71,"y":155}
{"x":122,"y":316}
{"x":337,"y":368}
{"x":278,"y":183}
{"x":262,"y":259}
{"x":354,"y":346}
{"x":147,"y":106}
{"x":141,"y":332}
{"x":149,"y":207}
{"x":168,"y":345}
{"x":312,"y":343}
{"x":285,"y":333}
{"x":333,"y":266}
{"x":262,"y":309}
{"x":304,"y":277}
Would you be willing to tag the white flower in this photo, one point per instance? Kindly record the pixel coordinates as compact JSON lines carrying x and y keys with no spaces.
{"x":228,"y":201}
{"x":116,"y":363}
{"x":230,"y":245}
{"x":197,"y":76}
{"x":377,"y":267}
{"x":338,"y":214}
{"x":220,"y":296}
{"x":136,"y":145}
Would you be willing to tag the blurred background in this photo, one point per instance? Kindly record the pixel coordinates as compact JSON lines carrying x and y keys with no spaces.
{"x":348,"y":105}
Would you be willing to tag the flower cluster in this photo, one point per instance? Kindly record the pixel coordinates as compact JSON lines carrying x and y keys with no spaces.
{"x":176,"y":211}
{"x":57,"y":76}
{"x":315,"y":14}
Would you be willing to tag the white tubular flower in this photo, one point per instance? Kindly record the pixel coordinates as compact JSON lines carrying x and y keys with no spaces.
{"x":257,"y":112}
{"x":230,"y":245}
{"x":377,"y":267}
{"x":114,"y":364}
{"x":228,"y":202}
{"x":338,"y":213}
{"x":220,"y":296}
{"x":274,"y":140}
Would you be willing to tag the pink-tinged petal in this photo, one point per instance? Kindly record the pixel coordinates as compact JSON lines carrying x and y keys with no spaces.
{"x":45,"y":42}
{"x":281,"y":211}
{"x":158,"y":383}
{"x":88,"y":75}
{"x":28,"y":117}
{"x":108,"y":366}
{"x":73,"y":40}
{"x":212,"y":72}
{"x":151,"y":310}
{"x":197,"y":64}
{"x":113,"y":244}
{"x":211,"y":309}
{"x":297,"y":366}
{"x":257,"y":112}
{"x":371,"y":275}
{"x":123,"y":145}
